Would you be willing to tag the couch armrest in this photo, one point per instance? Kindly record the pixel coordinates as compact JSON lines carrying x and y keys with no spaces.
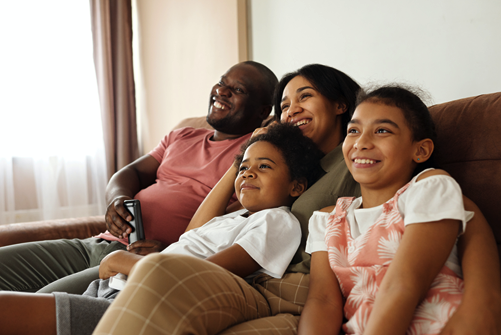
{"x":51,"y":230}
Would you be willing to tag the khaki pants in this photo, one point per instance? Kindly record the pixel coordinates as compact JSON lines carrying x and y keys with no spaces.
{"x":173,"y":294}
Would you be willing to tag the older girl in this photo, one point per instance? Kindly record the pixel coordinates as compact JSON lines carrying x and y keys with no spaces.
{"x":388,"y":256}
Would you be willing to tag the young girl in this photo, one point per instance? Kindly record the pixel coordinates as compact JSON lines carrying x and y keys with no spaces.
{"x":388,"y":257}
{"x":273,"y":170}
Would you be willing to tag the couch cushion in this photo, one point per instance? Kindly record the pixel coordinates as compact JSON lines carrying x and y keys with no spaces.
{"x":469,"y":148}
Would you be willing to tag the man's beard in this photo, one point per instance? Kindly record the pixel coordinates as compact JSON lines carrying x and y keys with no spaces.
{"x":226,"y":124}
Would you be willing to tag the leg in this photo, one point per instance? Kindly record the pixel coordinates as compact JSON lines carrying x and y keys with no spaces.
{"x":174,"y":294}
{"x":286,"y":297}
{"x":75,"y":283}
{"x":281,"y":324}
{"x":24,"y":313}
{"x":30,"y":266}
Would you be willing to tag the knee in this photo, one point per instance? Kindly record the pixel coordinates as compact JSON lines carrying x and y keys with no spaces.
{"x":178,"y":265}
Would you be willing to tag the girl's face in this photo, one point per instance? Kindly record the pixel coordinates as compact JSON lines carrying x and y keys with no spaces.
{"x":378,"y":149}
{"x":316,"y":116}
{"x":263,"y":179}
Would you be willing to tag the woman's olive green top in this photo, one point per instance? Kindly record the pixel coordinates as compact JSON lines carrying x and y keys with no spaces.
{"x":337,"y":182}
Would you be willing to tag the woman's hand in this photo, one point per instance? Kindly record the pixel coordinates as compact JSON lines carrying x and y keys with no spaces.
{"x":145,"y":247}
{"x":472,"y":320}
{"x":264,"y":130}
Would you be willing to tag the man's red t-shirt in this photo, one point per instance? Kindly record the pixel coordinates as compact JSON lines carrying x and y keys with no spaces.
{"x":190,"y":166}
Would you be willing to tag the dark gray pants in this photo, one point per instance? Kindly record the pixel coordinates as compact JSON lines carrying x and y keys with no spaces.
{"x":67,"y":265}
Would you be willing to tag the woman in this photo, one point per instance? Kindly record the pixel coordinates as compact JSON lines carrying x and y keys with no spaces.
{"x":320,"y":101}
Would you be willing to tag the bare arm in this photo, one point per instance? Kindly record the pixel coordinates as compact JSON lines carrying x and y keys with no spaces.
{"x":117,"y":262}
{"x":323,"y":311}
{"x":216,"y":202}
{"x":481,"y":305}
{"x":236,"y":260}
{"x":422,"y":253}
{"x":123,"y":186}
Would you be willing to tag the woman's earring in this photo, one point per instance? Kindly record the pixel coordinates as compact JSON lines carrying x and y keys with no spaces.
{"x":418,"y":159}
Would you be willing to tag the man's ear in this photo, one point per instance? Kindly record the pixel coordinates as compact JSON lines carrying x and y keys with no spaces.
{"x":265,"y":111}
{"x":424,"y":149}
{"x":299,"y":186}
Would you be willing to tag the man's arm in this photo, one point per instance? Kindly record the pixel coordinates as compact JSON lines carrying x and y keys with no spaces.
{"x":124,"y":185}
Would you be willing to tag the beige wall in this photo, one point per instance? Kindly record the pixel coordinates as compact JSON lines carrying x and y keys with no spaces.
{"x":449,"y":47}
{"x":182,"y":48}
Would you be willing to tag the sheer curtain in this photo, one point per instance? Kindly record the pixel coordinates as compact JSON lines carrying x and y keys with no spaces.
{"x":52,"y":162}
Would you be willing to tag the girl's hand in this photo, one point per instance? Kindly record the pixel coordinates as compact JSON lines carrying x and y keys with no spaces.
{"x":119,"y":261}
{"x":107,"y":268}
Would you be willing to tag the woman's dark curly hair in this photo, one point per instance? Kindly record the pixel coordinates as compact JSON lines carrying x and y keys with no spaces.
{"x":300,"y":153}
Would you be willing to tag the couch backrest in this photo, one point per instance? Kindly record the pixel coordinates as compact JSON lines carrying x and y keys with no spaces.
{"x":469,"y":148}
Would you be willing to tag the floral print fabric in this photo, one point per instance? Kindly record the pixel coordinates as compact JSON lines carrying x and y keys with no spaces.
{"x":360,"y":265}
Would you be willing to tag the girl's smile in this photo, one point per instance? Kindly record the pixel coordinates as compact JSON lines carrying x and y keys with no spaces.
{"x":378,"y":149}
{"x":263,"y":180}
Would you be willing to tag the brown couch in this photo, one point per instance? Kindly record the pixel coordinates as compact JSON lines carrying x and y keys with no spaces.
{"x":468,"y":147}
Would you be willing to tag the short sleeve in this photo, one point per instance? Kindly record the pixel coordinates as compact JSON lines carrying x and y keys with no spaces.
{"x":272,"y":239}
{"x":434,"y":198}
{"x":159,"y":151}
{"x":316,"y":232}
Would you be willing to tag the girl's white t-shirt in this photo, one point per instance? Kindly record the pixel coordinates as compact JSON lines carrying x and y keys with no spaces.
{"x":431,"y":199}
{"x":271,"y":237}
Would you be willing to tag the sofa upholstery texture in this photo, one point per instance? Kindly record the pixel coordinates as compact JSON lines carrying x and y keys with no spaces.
{"x":468,"y":147}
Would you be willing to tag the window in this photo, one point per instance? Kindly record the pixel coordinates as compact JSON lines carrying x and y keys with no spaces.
{"x":52,"y":152}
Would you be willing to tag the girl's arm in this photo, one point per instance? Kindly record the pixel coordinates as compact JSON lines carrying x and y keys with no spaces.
{"x":481,"y":304}
{"x":323,"y":311}
{"x":421,"y":255}
{"x":216,"y":201}
{"x":119,"y":261}
{"x":236,"y":260}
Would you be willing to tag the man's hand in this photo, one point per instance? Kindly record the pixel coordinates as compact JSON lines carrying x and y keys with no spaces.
{"x":117,"y":217}
{"x":145,"y":247}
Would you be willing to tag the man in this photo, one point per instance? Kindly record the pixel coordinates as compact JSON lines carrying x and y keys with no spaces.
{"x":171,"y":182}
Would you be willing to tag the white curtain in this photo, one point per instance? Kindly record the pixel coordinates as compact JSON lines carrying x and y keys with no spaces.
{"x":51,"y":144}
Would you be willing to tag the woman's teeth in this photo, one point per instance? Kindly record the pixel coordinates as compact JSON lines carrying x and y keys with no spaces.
{"x":364,"y":161}
{"x":218,"y":105}
{"x":301,"y":122}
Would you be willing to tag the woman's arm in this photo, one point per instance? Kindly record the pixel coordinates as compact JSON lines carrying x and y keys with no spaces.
{"x":323,"y":311}
{"x":421,"y":255}
{"x":216,"y":201}
{"x":481,"y":304}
